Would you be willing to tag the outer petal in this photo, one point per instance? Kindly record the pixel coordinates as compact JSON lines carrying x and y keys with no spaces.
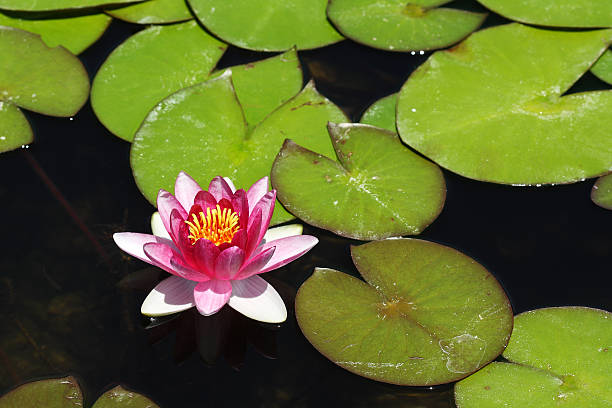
{"x":133,"y":243}
{"x":256,"y":192}
{"x":172,"y":262}
{"x":287,"y":249}
{"x":157,"y":226}
{"x":253,"y":232}
{"x":230,"y":183}
{"x":228,"y":263}
{"x":172,"y":295}
{"x":185,"y":189}
{"x":255,"y":264}
{"x":266,"y":205}
{"x":219,"y":188}
{"x":283,"y":232}
{"x":257,"y":299}
{"x":211,"y":296}
{"x":166,"y":202}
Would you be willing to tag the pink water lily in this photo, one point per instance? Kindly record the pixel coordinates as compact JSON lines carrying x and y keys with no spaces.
{"x":215,"y":243}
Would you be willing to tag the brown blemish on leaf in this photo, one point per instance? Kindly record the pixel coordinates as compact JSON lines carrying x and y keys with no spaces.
{"x":307,"y":103}
{"x":250,"y":65}
{"x":487,"y":387}
{"x":327,"y":178}
{"x":315,"y":162}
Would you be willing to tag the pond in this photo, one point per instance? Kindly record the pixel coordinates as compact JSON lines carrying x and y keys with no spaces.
{"x":71,"y":299}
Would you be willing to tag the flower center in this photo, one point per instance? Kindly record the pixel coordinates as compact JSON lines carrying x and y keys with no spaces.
{"x":218,"y":226}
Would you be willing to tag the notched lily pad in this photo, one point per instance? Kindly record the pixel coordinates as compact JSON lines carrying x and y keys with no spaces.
{"x":559,"y":357}
{"x":601,"y":194}
{"x":153,"y":12}
{"x":396,"y":25}
{"x":376,"y":189}
{"x":603,"y":67}
{"x":427,"y":314}
{"x":491,"y":108}
{"x":381,"y":113}
{"x":49,"y":5}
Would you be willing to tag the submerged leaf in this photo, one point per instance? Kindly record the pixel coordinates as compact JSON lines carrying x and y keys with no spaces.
{"x":119,"y":397}
{"x":52,"y":393}
{"x":601,"y":194}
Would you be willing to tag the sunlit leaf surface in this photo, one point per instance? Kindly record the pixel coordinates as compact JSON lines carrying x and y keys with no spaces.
{"x":491,"y":108}
{"x":47,"y":5}
{"x":601,"y":194}
{"x":52,"y":393}
{"x":153,"y":12}
{"x":563,"y":358}
{"x":427,"y":314}
{"x":381,"y":113}
{"x":603,"y":67}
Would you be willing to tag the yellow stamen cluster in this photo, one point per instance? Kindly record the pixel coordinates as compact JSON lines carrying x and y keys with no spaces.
{"x":217,"y":226}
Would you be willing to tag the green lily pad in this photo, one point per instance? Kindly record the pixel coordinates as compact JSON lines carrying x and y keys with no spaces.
{"x":555,"y":13}
{"x":119,"y":397}
{"x":561,"y":357}
{"x":74,"y":33}
{"x":148,"y":67}
{"x":48,"y":5}
{"x":601,"y":194}
{"x":153,"y":12}
{"x":268,"y":25}
{"x":491,"y":108}
{"x":376,"y":189}
{"x":186,"y":132}
{"x":52,"y":393}
{"x":381,"y":113}
{"x":427,"y":314}
{"x":603,"y":67}
{"x":15,"y":131}
{"x":395,"y":25}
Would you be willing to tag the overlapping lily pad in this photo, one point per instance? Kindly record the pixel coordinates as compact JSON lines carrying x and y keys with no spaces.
{"x":48,"y":5}
{"x":381,"y":113}
{"x":560,"y":357}
{"x":153,"y":12}
{"x":212,"y":128}
{"x":555,"y":13}
{"x":601,"y":194}
{"x":74,"y":33}
{"x":148,"y":67}
{"x":396,"y":25}
{"x":376,"y":189}
{"x":268,"y":25}
{"x":491,"y":108}
{"x":427,"y":314}
{"x":603,"y":67}
{"x":33,"y":76}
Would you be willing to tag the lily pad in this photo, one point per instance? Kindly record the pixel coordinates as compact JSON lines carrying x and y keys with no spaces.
{"x":148,"y":67}
{"x":15,"y":131}
{"x":491,"y":108}
{"x":561,"y":357}
{"x":48,"y":5}
{"x":555,"y":13}
{"x":376,"y":189}
{"x":603,"y":67}
{"x":268,"y":25}
{"x":601,"y":194}
{"x":186,"y":132}
{"x":74,"y":33}
{"x":119,"y":397}
{"x":153,"y":12}
{"x":427,"y":314}
{"x":395,"y":25}
{"x":381,"y":113}
{"x":52,"y":393}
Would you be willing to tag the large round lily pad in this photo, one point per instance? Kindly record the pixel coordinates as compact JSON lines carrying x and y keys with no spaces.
{"x":153,"y":12}
{"x":48,"y":5}
{"x":555,"y":13}
{"x":74,"y":33}
{"x":15,"y":131}
{"x":560,"y":357}
{"x":397,"y":25}
{"x":601,"y":194}
{"x":427,"y":314}
{"x":268,"y":25}
{"x":378,"y":188}
{"x":381,"y":113}
{"x":603,"y":67}
{"x":491,"y":107}
{"x":52,"y":393}
{"x":148,"y":67}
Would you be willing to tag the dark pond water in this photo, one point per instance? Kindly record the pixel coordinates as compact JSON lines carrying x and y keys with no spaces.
{"x":70,"y":301}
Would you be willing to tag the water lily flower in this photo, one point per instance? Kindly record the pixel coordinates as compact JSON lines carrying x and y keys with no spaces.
{"x":215,"y":243}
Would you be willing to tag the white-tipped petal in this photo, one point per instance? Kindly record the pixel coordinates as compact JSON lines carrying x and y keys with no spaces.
{"x":230,"y":183}
{"x":258,"y":300}
{"x":172,"y":295}
{"x":282,"y":232}
{"x":157,"y":226}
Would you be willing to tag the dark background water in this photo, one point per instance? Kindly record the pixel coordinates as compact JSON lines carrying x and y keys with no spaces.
{"x":71,"y":307}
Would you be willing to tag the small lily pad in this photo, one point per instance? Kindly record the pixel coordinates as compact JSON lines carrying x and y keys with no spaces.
{"x":560,"y":357}
{"x":148,"y":67}
{"x":603,"y":67}
{"x":555,"y":13}
{"x":395,"y":25}
{"x":376,"y":189}
{"x":427,"y":314}
{"x":74,"y":33}
{"x":52,"y":393}
{"x":381,"y":113}
{"x":48,"y":5}
{"x":153,"y":12}
{"x":491,"y":107}
{"x":119,"y":397}
{"x":268,"y":25}
{"x":601,"y":194}
{"x":15,"y":131}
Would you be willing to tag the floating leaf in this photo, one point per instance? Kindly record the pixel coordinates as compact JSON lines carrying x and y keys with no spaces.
{"x":395,"y":25}
{"x":15,"y":130}
{"x":381,"y":113}
{"x":73,"y":33}
{"x":47,"y":5}
{"x":153,"y":12}
{"x":563,"y":358}
{"x":427,"y":315}
{"x":377,"y":189}
{"x":601,"y":194}
{"x":603,"y":67}
{"x":268,"y":25}
{"x":491,"y":108}
{"x":52,"y":393}
{"x":556,"y":13}
{"x":119,"y":397}
{"x":148,"y":67}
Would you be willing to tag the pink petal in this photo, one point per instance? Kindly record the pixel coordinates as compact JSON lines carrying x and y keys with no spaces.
{"x":256,"y":192}
{"x":266,"y":205}
{"x":172,"y":295}
{"x":172,"y":262}
{"x":211,"y":296}
{"x":219,"y":188}
{"x":166,"y":202}
{"x":255,"y":264}
{"x":256,"y":299}
{"x":205,"y":200}
{"x":240,"y":204}
{"x":176,"y":222}
{"x":228,"y":263}
{"x":240,"y":239}
{"x":230,"y":183}
{"x":287,"y":249}
{"x":133,"y":243}
{"x":205,"y":255}
{"x":253,"y":232}
{"x":185,"y":189}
